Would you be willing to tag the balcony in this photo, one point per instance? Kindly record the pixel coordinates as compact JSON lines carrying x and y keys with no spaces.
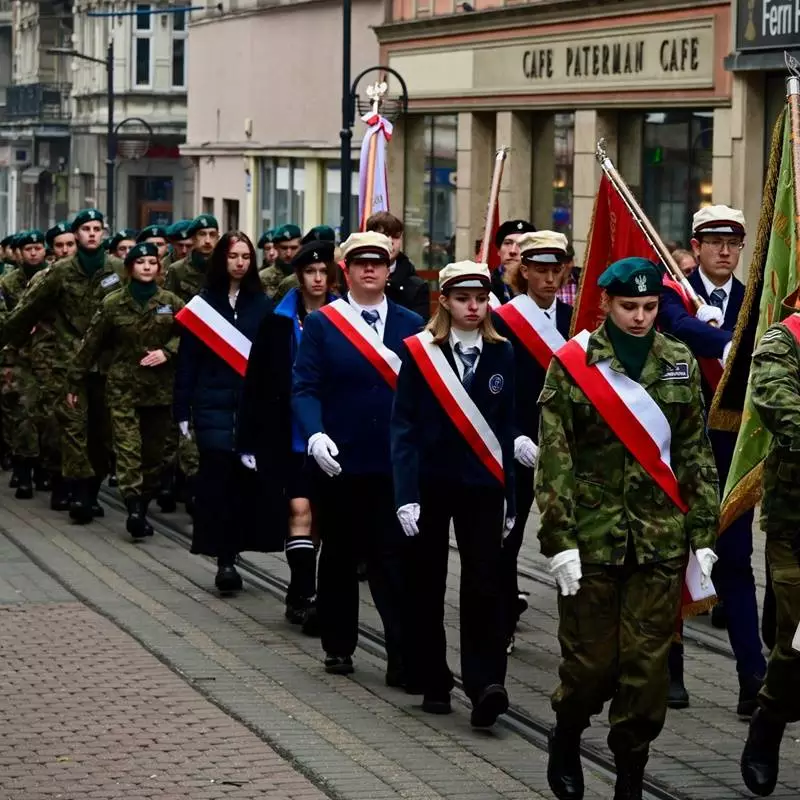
{"x":43,"y":102}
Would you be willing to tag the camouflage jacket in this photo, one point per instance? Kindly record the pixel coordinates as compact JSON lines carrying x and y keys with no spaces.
{"x":13,"y":286}
{"x":593,"y":494}
{"x":185,"y":280}
{"x":775,"y":391}
{"x":67,"y":299}
{"x":271,"y":277}
{"x":127,"y":331}
{"x":43,"y":347}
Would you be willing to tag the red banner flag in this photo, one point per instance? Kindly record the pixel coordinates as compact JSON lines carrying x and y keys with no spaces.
{"x":613,"y":235}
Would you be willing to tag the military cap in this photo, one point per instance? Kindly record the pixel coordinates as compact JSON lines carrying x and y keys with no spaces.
{"x":140,"y":250}
{"x":31,"y":237}
{"x":320,"y":233}
{"x":87,"y":215}
{"x":201,"y":223}
{"x":320,"y":252}
{"x":370,"y":246}
{"x":287,"y":232}
{"x":512,"y":226}
{"x":718,"y":219}
{"x":179,"y":230}
{"x":544,"y":247}
{"x":464,"y":275}
{"x":119,"y":236}
{"x":152,"y":232}
{"x":266,"y":238}
{"x":7,"y":240}
{"x":57,"y":230}
{"x":632,"y":277}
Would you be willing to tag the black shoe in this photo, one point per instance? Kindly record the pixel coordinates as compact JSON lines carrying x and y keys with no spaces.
{"x":228,"y":580}
{"x":310,"y":623}
{"x":564,"y":769}
{"x":719,"y":619}
{"x":522,"y":603}
{"x":137,"y":524}
{"x":491,"y":703}
{"x":295,"y":612}
{"x":97,"y":510}
{"x":13,"y":481}
{"x":761,"y":755}
{"x":339,"y":665}
{"x":41,"y":480}
{"x":630,"y":776}
{"x":166,"y":501}
{"x":748,"y":695}
{"x":24,"y":472}
{"x":59,"y":495}
{"x":80,"y":507}
{"x":113,"y":481}
{"x":437,"y":704}
{"x":677,"y":696}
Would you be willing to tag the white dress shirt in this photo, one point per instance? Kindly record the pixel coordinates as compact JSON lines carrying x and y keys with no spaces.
{"x":550,"y":313}
{"x":466,"y":339}
{"x":382,"y":308}
{"x":709,"y":287}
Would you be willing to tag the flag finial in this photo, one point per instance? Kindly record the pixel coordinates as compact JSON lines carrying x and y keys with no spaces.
{"x":792,"y":64}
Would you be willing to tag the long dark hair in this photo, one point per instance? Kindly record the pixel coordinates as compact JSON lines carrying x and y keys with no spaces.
{"x":217,"y":278}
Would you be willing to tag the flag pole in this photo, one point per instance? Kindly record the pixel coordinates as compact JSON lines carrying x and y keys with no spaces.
{"x":497,"y":177}
{"x":793,"y":102}
{"x":375,"y":92}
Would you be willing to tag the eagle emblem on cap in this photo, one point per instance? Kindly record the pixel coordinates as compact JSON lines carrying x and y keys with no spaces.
{"x":641,"y":283}
{"x":91,"y":213}
{"x":519,"y":226}
{"x":204,"y":222}
{"x":316,"y":257}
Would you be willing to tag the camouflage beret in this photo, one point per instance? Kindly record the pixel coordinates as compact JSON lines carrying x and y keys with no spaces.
{"x":87,"y":215}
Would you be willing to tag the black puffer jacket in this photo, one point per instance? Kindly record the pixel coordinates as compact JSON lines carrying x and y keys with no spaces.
{"x":407,"y":289}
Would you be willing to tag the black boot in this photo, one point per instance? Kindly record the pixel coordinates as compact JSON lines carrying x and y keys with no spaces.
{"x":761,"y":754}
{"x":677,"y":696}
{"x":166,"y":499}
{"x":94,"y":487}
{"x":749,"y":687}
{"x":630,"y":775}
{"x":13,"y":481}
{"x":113,"y":482}
{"x":137,"y":524}
{"x":41,"y":479}
{"x":80,"y":507}
{"x":59,"y":494}
{"x":24,"y":471}
{"x":564,"y":770}
{"x":228,"y":580}
{"x":189,"y":494}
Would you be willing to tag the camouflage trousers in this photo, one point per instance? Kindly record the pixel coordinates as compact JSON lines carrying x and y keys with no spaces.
{"x":140,"y":434}
{"x":12,"y":412}
{"x":615,"y":635}
{"x":188,"y":456}
{"x":86,"y":431}
{"x":36,"y":435}
{"x":780,"y":694}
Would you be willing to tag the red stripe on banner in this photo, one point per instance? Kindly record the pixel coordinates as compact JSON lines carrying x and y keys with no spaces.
{"x":452,"y":409}
{"x":361,"y":344}
{"x":619,"y":418}
{"x":526,"y":333}
{"x":209,"y":337}
{"x":793,"y":324}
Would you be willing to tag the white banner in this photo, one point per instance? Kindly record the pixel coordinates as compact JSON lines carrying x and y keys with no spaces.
{"x":380,"y":128}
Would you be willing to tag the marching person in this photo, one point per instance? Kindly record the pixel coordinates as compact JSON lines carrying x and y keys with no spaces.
{"x":230,"y":500}
{"x":775,"y":390}
{"x":136,"y":328}
{"x":459,"y":467}
{"x":266,"y":244}
{"x":344,"y":381}
{"x":157,"y":235}
{"x":282,"y":331}
{"x":537,"y":324}
{"x":179,"y":243}
{"x":121,"y":242}
{"x":618,"y":519}
{"x":506,"y":240}
{"x":717,"y":242}
{"x":60,"y":241}
{"x":287,"y":242}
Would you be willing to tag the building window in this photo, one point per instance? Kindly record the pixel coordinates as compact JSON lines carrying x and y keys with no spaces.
{"x":676,"y":170}
{"x":564,"y":153}
{"x":4,"y":221}
{"x":333,"y":193}
{"x":282,"y":191}
{"x":143,"y":46}
{"x":207,"y":204}
{"x":230,"y":214}
{"x":179,"y":49}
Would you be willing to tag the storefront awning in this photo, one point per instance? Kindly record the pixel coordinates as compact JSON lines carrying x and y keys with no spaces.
{"x":764,"y":60}
{"x":32,"y":174}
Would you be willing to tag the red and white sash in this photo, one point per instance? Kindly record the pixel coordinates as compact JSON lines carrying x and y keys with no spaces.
{"x":628,"y":410}
{"x":364,"y":338}
{"x":530,"y":325}
{"x":211,"y":328}
{"x":456,"y":402}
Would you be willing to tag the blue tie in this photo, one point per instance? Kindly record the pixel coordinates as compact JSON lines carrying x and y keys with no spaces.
{"x":371,"y":318}
{"x":718,"y":298}
{"x":468,"y":356}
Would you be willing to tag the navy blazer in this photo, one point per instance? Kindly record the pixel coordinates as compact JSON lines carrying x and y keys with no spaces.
{"x":529,"y":373}
{"x":426,"y":445}
{"x":336,"y":391}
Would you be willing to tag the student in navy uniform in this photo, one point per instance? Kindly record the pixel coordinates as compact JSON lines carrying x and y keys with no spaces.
{"x":717,"y":241}
{"x":544,"y":257}
{"x":438,"y":478}
{"x":342,"y":404}
{"x":506,"y":240}
{"x":280,"y":334}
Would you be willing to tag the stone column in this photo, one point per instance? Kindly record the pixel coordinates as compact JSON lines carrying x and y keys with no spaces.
{"x":513,"y":129}
{"x":415,"y":208}
{"x":475,"y":161}
{"x":544,"y":168}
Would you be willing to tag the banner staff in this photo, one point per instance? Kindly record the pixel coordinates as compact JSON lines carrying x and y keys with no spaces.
{"x":497,"y":177}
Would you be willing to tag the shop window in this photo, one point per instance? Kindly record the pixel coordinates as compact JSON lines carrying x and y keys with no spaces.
{"x":563,"y":159}
{"x":282,"y":191}
{"x":676,"y":170}
{"x":333,"y":194}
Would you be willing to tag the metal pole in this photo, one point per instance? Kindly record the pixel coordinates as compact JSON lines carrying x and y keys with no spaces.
{"x":111,"y":143}
{"x":345,"y":134}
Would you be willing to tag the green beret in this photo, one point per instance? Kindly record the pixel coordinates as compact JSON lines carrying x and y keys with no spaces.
{"x":179,"y":230}
{"x":152,"y":232}
{"x":140,"y":251}
{"x":313,"y":252}
{"x":57,"y":230}
{"x":119,"y":236}
{"x":31,"y":237}
{"x":632,"y":277}
{"x":7,"y":241}
{"x":266,"y":237}
{"x":287,"y":232}
{"x":320,"y":233}
{"x":200,"y":223}
{"x":87,"y":215}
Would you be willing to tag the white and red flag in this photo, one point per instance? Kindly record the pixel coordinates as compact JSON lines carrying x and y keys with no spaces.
{"x":373,"y":189}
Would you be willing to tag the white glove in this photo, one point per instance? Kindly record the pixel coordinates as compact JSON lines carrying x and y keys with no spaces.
{"x":248,"y":461}
{"x":509,"y":526}
{"x":706,"y":558}
{"x":726,"y":352}
{"x":322,"y":449}
{"x":409,"y":517}
{"x":525,"y":451}
{"x":183,"y":427}
{"x":566,"y":568}
{"x":709,"y":313}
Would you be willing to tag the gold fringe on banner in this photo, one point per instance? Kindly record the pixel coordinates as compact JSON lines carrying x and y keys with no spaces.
{"x":698,"y":607}
{"x":744,"y":496}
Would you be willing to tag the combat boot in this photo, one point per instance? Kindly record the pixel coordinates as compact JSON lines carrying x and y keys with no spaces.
{"x":564,"y":770}
{"x":761,"y":754}
{"x":677,"y":696}
{"x":41,"y":478}
{"x":94,"y":490}
{"x":24,"y":470}
{"x":228,"y":580}
{"x":13,"y":481}
{"x":80,"y":507}
{"x":166,"y":499}
{"x":630,"y":775}
{"x":59,"y":494}
{"x":137,"y":524}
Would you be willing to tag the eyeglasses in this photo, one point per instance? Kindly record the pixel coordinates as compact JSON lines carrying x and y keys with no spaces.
{"x":718,"y":245}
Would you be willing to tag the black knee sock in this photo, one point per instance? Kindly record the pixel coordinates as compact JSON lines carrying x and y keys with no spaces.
{"x":302,"y":558}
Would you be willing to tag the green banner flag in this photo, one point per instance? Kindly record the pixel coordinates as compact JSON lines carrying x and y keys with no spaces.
{"x":773,"y":276}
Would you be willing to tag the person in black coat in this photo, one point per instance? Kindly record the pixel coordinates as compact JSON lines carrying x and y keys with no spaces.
{"x":237,"y":507}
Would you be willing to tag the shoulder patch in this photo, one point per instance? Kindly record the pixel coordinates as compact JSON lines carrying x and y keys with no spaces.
{"x":165,"y":309}
{"x":770,"y":335}
{"x":676,"y":372}
{"x":110,"y":280}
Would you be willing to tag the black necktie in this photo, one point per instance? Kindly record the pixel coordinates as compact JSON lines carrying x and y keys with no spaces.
{"x":718,"y":298}
{"x":468,"y":356}
{"x":371,"y":318}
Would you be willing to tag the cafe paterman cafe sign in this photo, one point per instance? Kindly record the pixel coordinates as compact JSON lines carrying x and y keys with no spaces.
{"x":666,"y":57}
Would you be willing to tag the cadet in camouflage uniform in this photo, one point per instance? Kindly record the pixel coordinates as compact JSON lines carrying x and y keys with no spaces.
{"x":69,"y":295}
{"x":157,"y":235}
{"x":775,"y":391}
{"x":6,"y":255}
{"x":121,"y":242}
{"x":287,"y":242}
{"x":617,"y":545}
{"x":180,"y":243}
{"x":266,"y":244}
{"x":60,"y":241}
{"x":136,"y":327}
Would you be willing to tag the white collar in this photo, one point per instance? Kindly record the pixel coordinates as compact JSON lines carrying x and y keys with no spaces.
{"x":465,"y":339}
{"x":382,"y":308}
{"x":551,"y":312}
{"x":726,"y":287}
